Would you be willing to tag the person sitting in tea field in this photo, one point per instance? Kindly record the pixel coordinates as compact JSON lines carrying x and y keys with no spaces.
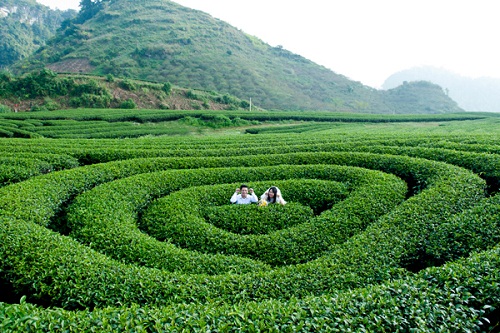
{"x":244,"y":195}
{"x":271,"y":196}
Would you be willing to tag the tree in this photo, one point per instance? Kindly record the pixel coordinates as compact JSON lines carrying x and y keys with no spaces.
{"x":167,"y":88}
{"x":89,"y":8}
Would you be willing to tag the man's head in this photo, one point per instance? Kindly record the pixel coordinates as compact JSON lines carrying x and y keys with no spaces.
{"x":244,"y":190}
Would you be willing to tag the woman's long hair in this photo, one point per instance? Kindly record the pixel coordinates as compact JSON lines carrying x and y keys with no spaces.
{"x":275,"y":191}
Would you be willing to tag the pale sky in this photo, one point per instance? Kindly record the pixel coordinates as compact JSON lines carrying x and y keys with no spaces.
{"x":368,"y":40}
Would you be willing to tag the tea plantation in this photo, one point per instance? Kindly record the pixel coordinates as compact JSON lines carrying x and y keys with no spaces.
{"x":120,"y":221}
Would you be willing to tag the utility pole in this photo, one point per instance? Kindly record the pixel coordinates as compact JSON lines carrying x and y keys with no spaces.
{"x":250,"y":103}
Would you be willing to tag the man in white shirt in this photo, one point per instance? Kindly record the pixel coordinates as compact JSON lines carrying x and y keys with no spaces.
{"x":244,"y":195}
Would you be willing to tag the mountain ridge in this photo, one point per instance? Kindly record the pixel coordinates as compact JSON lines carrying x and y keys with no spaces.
{"x":160,"y":40}
{"x":471,"y":94}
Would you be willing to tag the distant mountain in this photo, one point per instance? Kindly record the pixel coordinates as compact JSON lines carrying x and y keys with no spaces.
{"x":481,"y":94}
{"x":161,"y":41}
{"x":26,"y":25}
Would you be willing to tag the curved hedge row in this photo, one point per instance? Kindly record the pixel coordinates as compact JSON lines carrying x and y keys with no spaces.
{"x":18,"y":167}
{"x":13,"y":170}
{"x":424,"y":303}
{"x":178,"y":217}
{"x":92,"y":222}
{"x":106,"y":280}
{"x":424,"y":257}
{"x":290,"y":245}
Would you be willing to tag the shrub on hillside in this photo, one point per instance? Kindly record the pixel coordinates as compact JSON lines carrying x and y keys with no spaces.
{"x":128,"y":104}
{"x":92,"y":87}
{"x":110,"y":78}
{"x":5,"y":109}
{"x":50,"y":104}
{"x":167,"y":88}
{"x":127,"y":85}
{"x":91,"y":101}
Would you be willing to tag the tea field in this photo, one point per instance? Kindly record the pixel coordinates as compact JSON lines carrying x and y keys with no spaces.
{"x":120,"y":221}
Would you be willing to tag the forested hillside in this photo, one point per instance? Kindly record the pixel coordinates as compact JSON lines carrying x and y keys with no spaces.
{"x":161,"y":41}
{"x":26,"y":25}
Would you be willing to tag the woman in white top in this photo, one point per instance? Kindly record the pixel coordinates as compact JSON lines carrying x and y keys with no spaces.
{"x":273,"y":195}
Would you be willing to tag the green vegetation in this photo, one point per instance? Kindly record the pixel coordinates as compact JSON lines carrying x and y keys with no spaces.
{"x":115,"y":214}
{"x":161,"y":41}
{"x":120,"y":123}
{"x":4,"y":108}
{"x":26,"y":25}
{"x":44,"y":90}
{"x":391,"y":225}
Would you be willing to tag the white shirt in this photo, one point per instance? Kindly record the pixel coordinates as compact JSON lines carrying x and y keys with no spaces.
{"x":279,"y":198}
{"x":236,"y":198}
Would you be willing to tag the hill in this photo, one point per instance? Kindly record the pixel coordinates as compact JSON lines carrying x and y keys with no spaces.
{"x":159,"y":40}
{"x":26,"y":25}
{"x":47,"y":91}
{"x":480,"y":94}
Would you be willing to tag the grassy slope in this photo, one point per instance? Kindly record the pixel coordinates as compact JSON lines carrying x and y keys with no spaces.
{"x":161,"y":41}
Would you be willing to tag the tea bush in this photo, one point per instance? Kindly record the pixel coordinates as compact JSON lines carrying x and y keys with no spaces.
{"x":382,"y":232}
{"x":256,"y":220}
